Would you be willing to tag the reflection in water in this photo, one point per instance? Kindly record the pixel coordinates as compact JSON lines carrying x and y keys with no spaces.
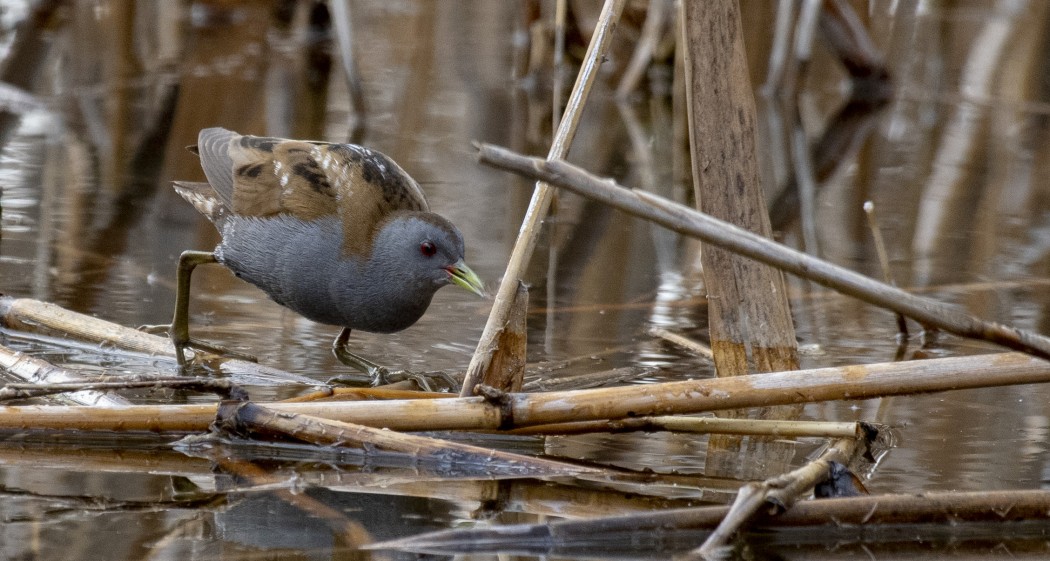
{"x":114,"y":91}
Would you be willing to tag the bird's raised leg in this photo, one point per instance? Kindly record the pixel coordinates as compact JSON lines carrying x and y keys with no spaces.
{"x":180,"y":328}
{"x":377,"y":374}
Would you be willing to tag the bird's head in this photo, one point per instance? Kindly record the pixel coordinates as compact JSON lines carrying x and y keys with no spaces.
{"x":427,"y":249}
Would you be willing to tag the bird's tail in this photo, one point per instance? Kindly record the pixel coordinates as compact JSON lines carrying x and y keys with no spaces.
{"x":203,"y":198}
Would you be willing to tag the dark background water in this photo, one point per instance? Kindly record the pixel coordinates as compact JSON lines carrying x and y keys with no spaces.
{"x":955,"y":164}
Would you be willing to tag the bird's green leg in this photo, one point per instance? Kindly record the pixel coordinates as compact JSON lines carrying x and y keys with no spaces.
{"x":377,"y":374}
{"x":180,"y":327}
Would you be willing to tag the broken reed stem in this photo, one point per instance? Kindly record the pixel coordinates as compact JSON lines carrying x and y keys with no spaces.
{"x":518,"y":410}
{"x":690,"y":222}
{"x":506,"y":370}
{"x":240,"y":418}
{"x":528,"y":235}
{"x":782,"y":491}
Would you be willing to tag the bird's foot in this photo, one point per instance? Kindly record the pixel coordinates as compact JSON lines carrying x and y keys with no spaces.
{"x":217,"y":350}
{"x":382,"y":376}
{"x":425,"y":380}
{"x":378,"y":375}
{"x":197,"y":346}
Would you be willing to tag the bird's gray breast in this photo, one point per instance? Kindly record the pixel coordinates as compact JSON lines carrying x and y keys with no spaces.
{"x":301,"y":266}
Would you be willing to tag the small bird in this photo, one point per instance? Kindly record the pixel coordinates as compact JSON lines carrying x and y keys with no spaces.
{"x":338,"y":233}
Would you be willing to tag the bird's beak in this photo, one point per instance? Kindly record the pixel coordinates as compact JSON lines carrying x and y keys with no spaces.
{"x":462,"y":275}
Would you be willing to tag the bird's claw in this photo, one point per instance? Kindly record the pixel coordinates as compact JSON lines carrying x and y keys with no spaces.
{"x":422,"y":379}
{"x":381,"y":375}
{"x":193,"y":344}
{"x":378,"y":375}
{"x":199,"y":347}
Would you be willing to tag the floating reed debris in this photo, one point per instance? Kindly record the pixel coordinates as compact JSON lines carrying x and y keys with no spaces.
{"x":507,"y":411}
{"x":862,"y":514}
{"x":34,"y":370}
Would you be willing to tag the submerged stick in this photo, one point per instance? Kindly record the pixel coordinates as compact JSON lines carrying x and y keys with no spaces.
{"x":865,"y":513}
{"x":587,"y":379}
{"x":517,"y":410}
{"x":690,"y":222}
{"x":528,"y":235}
{"x":34,"y":370}
{"x":682,"y":341}
{"x":224,"y":388}
{"x":348,"y":533}
{"x":702,"y":425}
{"x":255,"y":418}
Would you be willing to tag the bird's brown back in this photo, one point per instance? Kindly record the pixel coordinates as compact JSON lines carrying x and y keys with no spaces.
{"x":262,"y":176}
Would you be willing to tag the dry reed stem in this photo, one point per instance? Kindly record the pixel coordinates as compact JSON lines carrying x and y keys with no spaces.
{"x":749,"y":318}
{"x":517,"y":410}
{"x":690,"y":222}
{"x":506,"y":370}
{"x":781,"y":491}
{"x":528,"y":235}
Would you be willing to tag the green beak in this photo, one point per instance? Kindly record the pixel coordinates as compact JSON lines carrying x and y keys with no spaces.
{"x":462,"y":275}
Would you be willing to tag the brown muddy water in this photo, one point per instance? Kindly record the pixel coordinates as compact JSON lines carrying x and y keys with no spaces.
{"x":956,"y":165}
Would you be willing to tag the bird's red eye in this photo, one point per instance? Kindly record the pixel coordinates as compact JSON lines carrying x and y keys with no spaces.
{"x":428,"y":249}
